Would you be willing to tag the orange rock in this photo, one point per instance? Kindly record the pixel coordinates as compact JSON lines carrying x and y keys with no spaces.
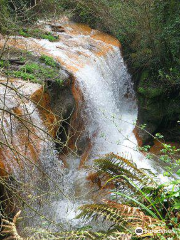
{"x":3,"y":171}
{"x":94,"y":178}
{"x":77,"y":124}
{"x":42,"y":100}
{"x":158,"y":146}
{"x":86,"y":153}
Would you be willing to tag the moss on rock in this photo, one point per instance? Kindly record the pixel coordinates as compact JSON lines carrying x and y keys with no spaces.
{"x":159,"y":105}
{"x":22,"y":64}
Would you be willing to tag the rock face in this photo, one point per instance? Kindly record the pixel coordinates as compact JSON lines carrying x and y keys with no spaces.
{"x":62,"y":104}
{"x":159,"y":108}
{"x":21,"y":128}
{"x":31,"y":115}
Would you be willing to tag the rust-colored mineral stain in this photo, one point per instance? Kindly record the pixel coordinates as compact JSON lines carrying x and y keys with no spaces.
{"x":18,"y":111}
{"x":85,"y":155}
{"x":158,"y":146}
{"x":4,"y":168}
{"x":69,"y":67}
{"x":97,"y":35}
{"x":103,"y":50}
{"x":77,"y":125}
{"x":63,"y":158}
{"x":77,"y":28}
{"x":42,"y":100}
{"x":3,"y":171}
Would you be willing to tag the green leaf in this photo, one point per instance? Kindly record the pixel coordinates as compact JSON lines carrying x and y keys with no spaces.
{"x":177,"y":206}
{"x":178,"y":172}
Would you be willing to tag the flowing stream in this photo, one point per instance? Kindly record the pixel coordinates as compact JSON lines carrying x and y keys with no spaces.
{"x":109,"y":107}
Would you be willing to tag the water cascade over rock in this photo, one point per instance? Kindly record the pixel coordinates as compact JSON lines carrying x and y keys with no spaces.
{"x":105,"y":103}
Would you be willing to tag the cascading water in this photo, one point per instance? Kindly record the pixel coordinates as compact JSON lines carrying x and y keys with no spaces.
{"x":109,"y":108}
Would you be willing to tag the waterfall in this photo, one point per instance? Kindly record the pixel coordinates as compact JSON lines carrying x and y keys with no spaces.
{"x":109,"y":109}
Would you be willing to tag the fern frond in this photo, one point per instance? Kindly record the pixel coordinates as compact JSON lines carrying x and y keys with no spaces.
{"x":120,"y":169}
{"x":117,"y":165}
{"x":121,"y":215}
{"x":76,"y":235}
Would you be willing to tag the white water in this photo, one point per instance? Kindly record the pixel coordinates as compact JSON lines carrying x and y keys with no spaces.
{"x":109,"y":109}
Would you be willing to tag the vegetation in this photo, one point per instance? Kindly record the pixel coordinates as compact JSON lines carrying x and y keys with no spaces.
{"x":37,"y":33}
{"x":149,"y":33}
{"x":48,"y":61}
{"x":137,"y":200}
{"x":28,"y":67}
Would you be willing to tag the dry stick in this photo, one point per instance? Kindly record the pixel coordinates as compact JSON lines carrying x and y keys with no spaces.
{"x":14,"y":189}
{"x":64,"y":120}
{"x":33,"y":124}
{"x":28,"y":205}
{"x":31,"y":162}
{"x":13,"y":150}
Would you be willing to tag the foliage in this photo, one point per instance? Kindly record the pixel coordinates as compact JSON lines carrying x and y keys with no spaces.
{"x":148,"y":31}
{"x":37,"y":33}
{"x":48,"y":60}
{"x":3,"y":15}
{"x":35,"y":69}
{"x":124,"y":217}
{"x":16,"y":14}
{"x":163,"y":199}
{"x":24,"y":76}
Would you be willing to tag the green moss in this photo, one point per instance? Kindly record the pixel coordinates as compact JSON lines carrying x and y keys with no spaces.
{"x":144,"y":75}
{"x":30,"y":67}
{"x":48,"y":61}
{"x":4,"y":63}
{"x":148,"y":87}
{"x":38,"y":33}
{"x":24,"y":76}
{"x":35,"y":69}
{"x":36,"y":73}
{"x":49,"y":37}
{"x":60,"y":82}
{"x":150,"y":92}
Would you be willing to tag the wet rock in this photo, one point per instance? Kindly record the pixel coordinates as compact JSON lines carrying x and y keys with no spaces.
{"x":57,"y":28}
{"x":61,"y":98}
{"x":20,"y":135}
{"x":50,"y":120}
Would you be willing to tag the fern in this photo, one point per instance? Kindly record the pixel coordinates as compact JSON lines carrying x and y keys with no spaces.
{"x":124,"y":174}
{"x":72,"y":235}
{"x":123,"y":216}
{"x":114,"y":165}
